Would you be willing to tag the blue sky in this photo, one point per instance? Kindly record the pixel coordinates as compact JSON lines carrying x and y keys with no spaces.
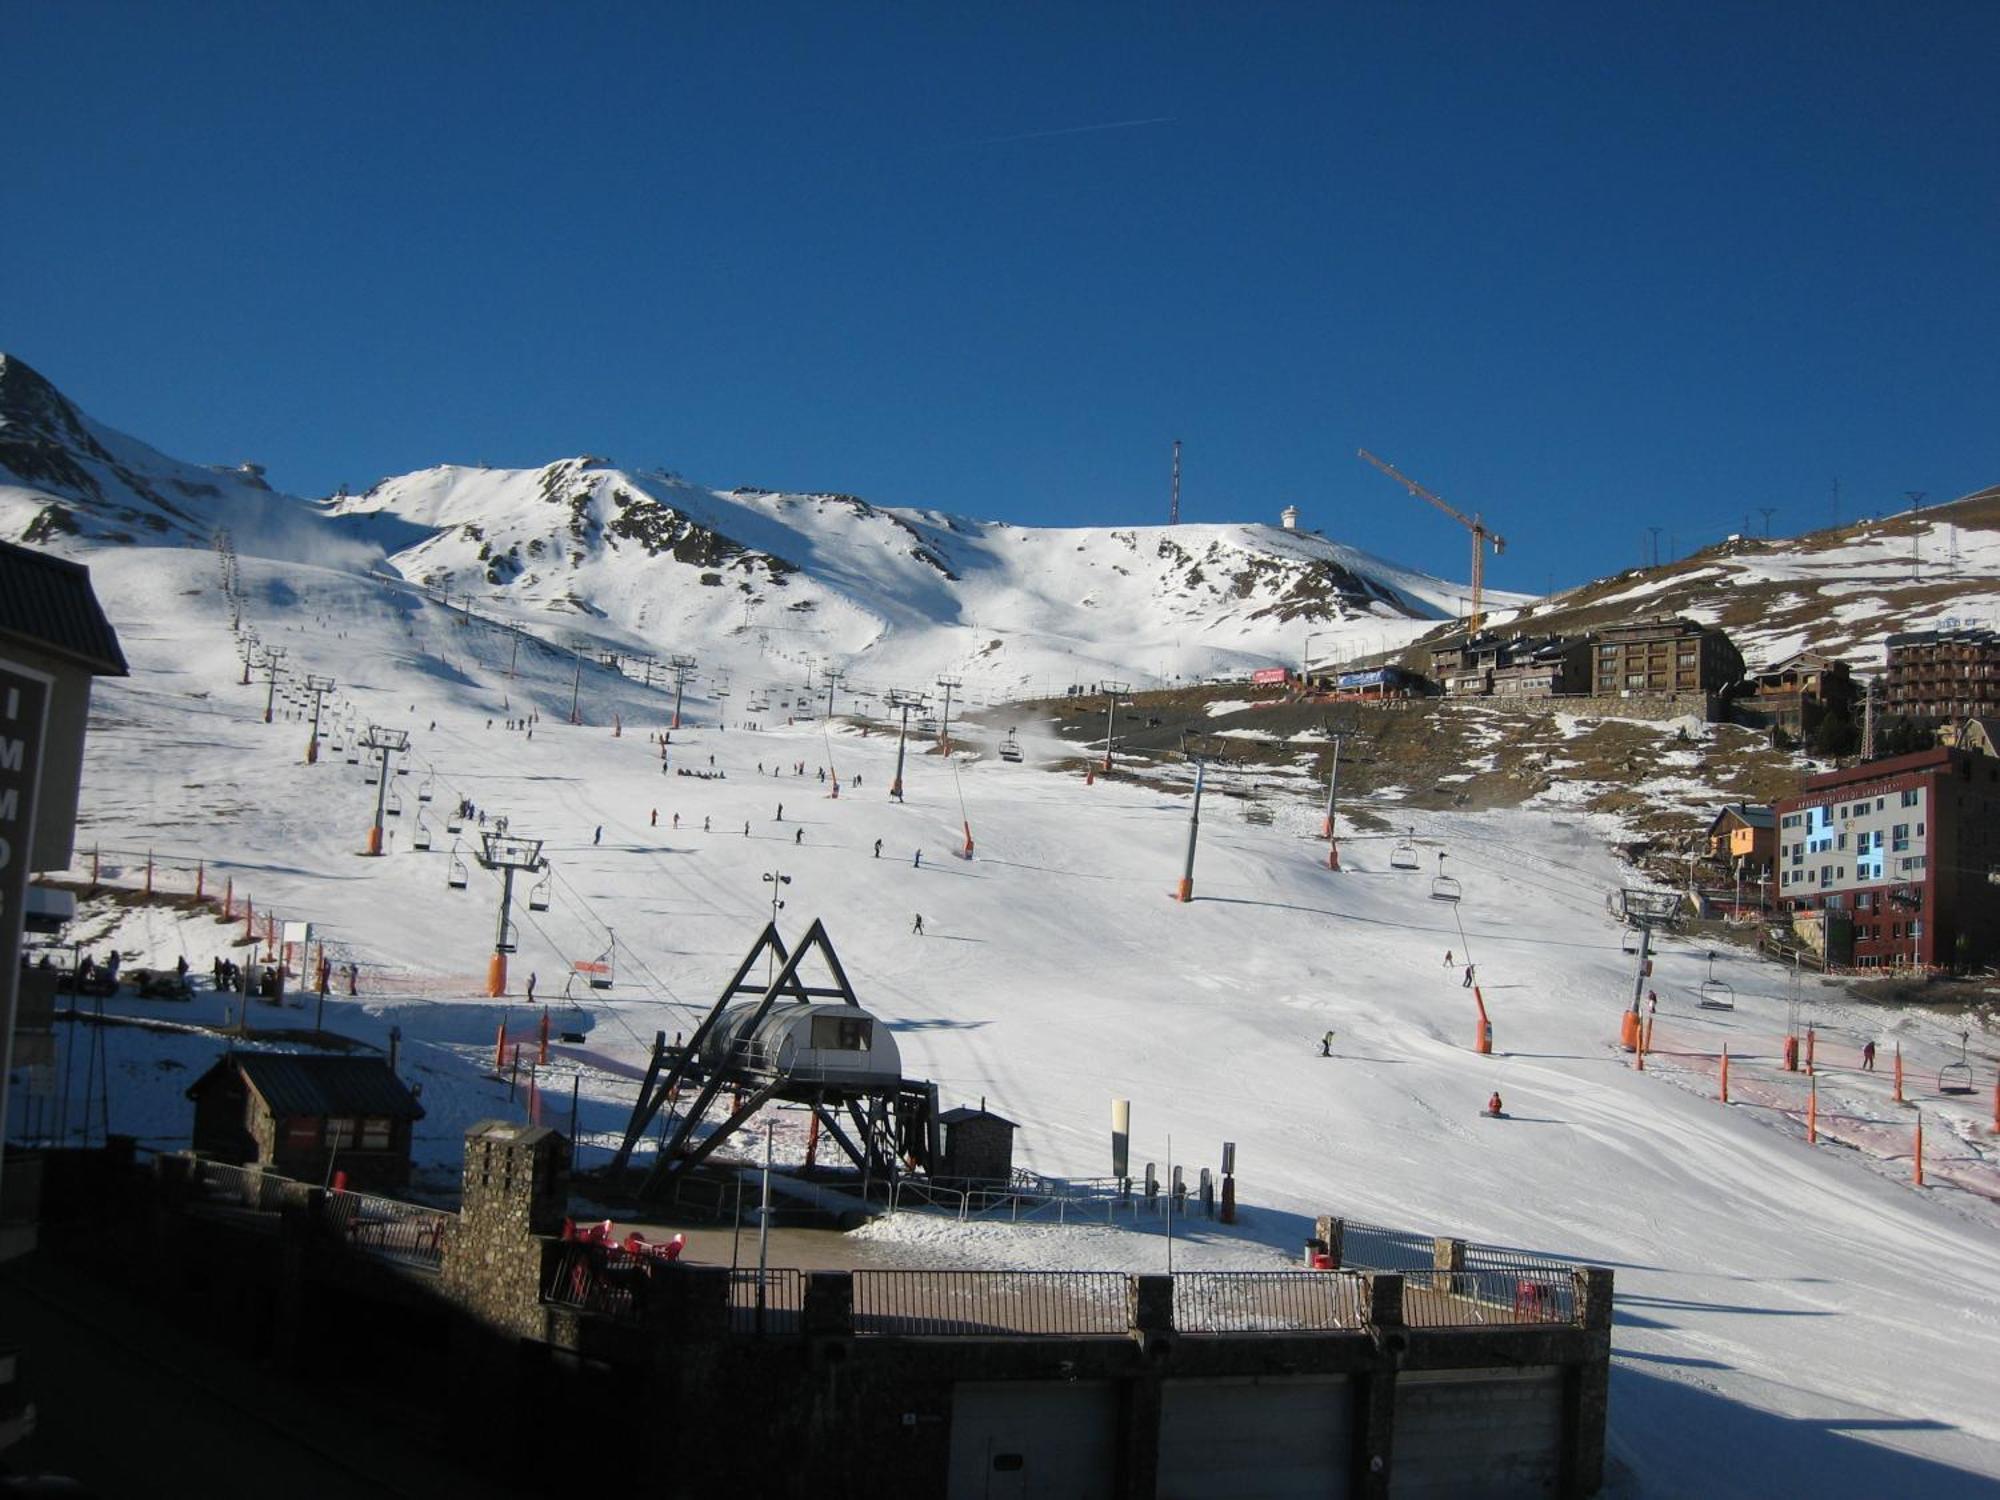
{"x":1584,"y":269}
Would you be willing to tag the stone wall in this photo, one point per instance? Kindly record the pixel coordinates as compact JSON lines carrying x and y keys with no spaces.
{"x":497,"y":1251}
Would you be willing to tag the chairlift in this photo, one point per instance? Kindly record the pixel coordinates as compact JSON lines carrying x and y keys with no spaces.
{"x":1404,"y":855}
{"x":1628,"y":941}
{"x":422,"y":840}
{"x":454,"y":822}
{"x":1010,"y":748}
{"x":424,"y":791}
{"x":600,"y":971}
{"x":394,"y":805}
{"x":1444,"y":887}
{"x":509,"y":940}
{"x":372,"y":775}
{"x":1713,"y":993}
{"x":1956,"y":1077}
{"x":539,"y":892}
{"x":455,"y":873}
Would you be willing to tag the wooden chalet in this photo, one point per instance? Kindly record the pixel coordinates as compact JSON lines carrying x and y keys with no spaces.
{"x":307,"y":1116}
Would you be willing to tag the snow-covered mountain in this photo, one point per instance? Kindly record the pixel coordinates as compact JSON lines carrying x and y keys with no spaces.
{"x":627,"y":559}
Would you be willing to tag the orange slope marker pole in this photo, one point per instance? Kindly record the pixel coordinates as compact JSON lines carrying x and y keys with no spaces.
{"x":1725,"y":1072}
{"x":1917,"y":1160}
{"x":1482,"y":1041}
{"x":1899,"y":1072}
{"x":1812,"y":1114}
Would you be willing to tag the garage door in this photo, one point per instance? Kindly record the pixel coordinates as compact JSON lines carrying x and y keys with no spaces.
{"x":1255,"y":1439}
{"x":1052,"y":1440}
{"x":1480,"y":1434}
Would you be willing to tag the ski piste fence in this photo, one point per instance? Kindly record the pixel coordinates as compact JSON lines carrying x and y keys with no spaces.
{"x":1830,"y":1098}
{"x":226,"y":889}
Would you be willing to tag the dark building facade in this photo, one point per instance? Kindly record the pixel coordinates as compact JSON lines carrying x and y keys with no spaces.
{"x":1668,"y":655}
{"x":1898,"y":853}
{"x":1935,"y":675}
{"x":307,"y":1117}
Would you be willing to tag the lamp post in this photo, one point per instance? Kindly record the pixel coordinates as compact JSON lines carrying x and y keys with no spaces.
{"x":776,"y":882}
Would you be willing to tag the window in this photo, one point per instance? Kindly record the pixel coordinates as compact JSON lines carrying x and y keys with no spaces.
{"x":1899,"y":837}
{"x":339,"y":1132}
{"x":1910,"y":797}
{"x":841,"y":1033}
{"x":1825,"y":876}
{"x":1879,"y":801}
{"x":374,"y":1134}
{"x":302,"y":1133}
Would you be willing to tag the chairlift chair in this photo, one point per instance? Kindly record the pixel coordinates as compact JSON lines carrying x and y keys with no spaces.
{"x":1713,"y":993}
{"x":1956,"y":1077}
{"x":424,"y":791}
{"x":1404,"y":855}
{"x":393,"y":806}
{"x":1628,"y":941}
{"x":538,"y":893}
{"x":603,"y":969}
{"x":422,"y":840}
{"x":509,"y":940}
{"x":455,"y":873}
{"x":454,"y":822}
{"x":1444,"y":887}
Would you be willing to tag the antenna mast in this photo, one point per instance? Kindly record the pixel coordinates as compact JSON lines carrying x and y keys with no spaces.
{"x":1174,"y":508}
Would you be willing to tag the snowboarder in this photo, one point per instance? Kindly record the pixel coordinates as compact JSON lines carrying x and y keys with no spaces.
{"x":1868,"y":1058}
{"x":1326,"y":1045}
{"x":878,"y":848}
{"x":1466,"y":983}
{"x":918,"y":926}
{"x":1493,"y":1105}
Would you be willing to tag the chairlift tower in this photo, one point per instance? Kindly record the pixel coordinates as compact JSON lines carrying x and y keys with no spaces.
{"x":273,"y":663}
{"x":835,"y":678}
{"x":1185,"y":890}
{"x":383,"y":741}
{"x":1113,"y":691}
{"x":903,"y":702}
{"x":1328,"y":824}
{"x":683,"y":668}
{"x":319,"y":687}
{"x":1644,"y":910}
{"x":944,"y":720}
{"x":509,"y":854}
{"x":576,"y":684}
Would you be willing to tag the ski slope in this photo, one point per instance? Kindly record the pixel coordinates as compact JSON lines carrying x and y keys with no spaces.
{"x":1790,"y":1320}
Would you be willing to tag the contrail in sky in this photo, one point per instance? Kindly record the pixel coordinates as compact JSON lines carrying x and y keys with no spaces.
{"x":1041,"y":135}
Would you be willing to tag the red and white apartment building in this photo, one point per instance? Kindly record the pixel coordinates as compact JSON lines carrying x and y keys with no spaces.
{"x":1901,"y":857}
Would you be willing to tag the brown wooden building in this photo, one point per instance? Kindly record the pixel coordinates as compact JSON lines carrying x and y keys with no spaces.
{"x":1665,"y":656}
{"x":1935,"y":675}
{"x":1795,"y":694}
{"x":307,"y":1116}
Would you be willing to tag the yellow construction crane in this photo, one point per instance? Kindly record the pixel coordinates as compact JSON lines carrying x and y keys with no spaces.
{"x":1480,"y":535}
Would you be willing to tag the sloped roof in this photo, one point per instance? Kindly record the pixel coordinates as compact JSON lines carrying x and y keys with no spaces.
{"x":48,"y":602}
{"x":293,"y":1083}
{"x":965,"y":1112}
{"x":1751,"y":816}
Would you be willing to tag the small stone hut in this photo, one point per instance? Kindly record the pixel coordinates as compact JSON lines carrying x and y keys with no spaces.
{"x":307,"y":1116}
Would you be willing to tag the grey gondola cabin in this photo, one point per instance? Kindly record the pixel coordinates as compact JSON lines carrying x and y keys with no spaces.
{"x":307,"y":1117}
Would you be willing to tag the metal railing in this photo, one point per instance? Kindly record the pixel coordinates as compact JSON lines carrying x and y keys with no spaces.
{"x":782,"y":1310}
{"x":247,"y":1187}
{"x":990,"y":1303}
{"x":388,"y":1228}
{"x":1269,"y":1301}
{"x":1372,"y":1247}
{"x":1476,"y":1299}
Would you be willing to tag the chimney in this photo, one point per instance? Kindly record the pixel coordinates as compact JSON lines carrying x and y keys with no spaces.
{"x":1289,"y":518}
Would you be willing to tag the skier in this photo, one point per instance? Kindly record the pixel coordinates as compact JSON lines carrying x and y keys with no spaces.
{"x":677,"y":822}
{"x":918,"y":926}
{"x":878,"y":848}
{"x":918,"y":862}
{"x":656,"y":817}
{"x":704,"y":825}
{"x":1868,"y":1058}
{"x":1493,"y":1105}
{"x":1466,"y":983}
{"x":1652,"y":1002}
{"x":799,"y":836}
{"x":746,"y":828}
{"x":598,"y":837}
{"x":353,"y":978}
{"x":1447,"y":959}
{"x":531,"y":989}
{"x":781,"y":814}
{"x":1326,"y":1045}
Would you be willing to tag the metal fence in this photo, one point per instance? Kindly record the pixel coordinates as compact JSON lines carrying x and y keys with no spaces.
{"x":383,"y":1227}
{"x":770,"y":1302}
{"x":990,"y":1302}
{"x":1371,"y":1247}
{"x":1476,"y":1299}
{"x":1268,"y":1301}
{"x":390,"y":1229}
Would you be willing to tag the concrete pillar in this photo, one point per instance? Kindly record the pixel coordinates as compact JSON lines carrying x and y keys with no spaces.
{"x":1385,"y":1301}
{"x":829,"y":1305}
{"x":1447,"y":1254}
{"x":1331,"y":1231}
{"x":1587,"y":1388}
{"x":1150,"y":1304}
{"x":1375,"y":1396}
